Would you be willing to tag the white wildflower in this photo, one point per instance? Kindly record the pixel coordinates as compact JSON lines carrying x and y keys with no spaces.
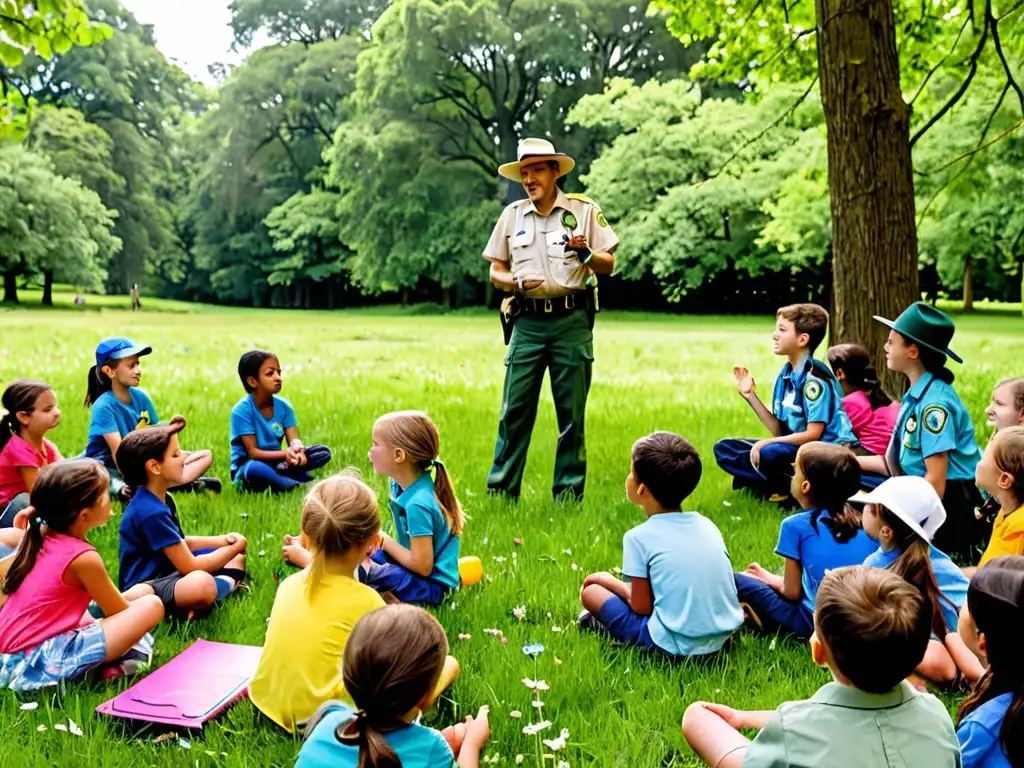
{"x":534,"y":728}
{"x":557,"y":744}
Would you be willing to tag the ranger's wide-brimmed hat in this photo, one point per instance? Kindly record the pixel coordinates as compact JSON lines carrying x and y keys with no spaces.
{"x":926,"y":326}
{"x":533,"y":151}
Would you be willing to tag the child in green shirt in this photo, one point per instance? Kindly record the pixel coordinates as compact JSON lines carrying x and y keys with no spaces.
{"x":871,"y":631}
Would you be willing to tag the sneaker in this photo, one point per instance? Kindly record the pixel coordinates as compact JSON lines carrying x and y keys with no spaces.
{"x":211,"y":484}
{"x":587,"y":622}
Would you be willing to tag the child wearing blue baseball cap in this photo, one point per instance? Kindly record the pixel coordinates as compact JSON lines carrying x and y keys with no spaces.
{"x":119,"y":407}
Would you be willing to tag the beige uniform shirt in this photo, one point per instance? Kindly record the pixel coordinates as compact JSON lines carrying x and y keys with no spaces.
{"x":534,"y":245}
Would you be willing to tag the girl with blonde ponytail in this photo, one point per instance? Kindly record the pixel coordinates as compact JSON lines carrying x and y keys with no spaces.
{"x":421,"y":563}
{"x":393,"y":664}
{"x":315,"y":610}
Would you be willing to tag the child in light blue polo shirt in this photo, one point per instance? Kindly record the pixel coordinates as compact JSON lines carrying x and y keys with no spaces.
{"x":807,"y":405}
{"x":260,"y":422}
{"x":870,"y":629}
{"x":421,"y":563}
{"x":681,"y":597}
{"x":826,"y":535}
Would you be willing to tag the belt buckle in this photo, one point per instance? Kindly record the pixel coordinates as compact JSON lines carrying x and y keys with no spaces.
{"x":570,"y":301}
{"x":548,"y":307}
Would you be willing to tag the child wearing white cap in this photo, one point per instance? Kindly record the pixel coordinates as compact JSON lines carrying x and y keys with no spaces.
{"x":903,"y":514}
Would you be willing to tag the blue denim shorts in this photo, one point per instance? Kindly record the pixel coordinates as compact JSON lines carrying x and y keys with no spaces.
{"x":63,"y":657}
{"x":385,"y":575}
{"x":625,"y":624}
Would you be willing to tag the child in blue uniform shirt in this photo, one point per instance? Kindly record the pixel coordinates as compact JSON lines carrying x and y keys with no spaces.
{"x":990,"y":722}
{"x":187,"y":573}
{"x":681,"y":597}
{"x":934,"y":435}
{"x":902,"y":515}
{"x":807,"y":405}
{"x":825,"y":536}
{"x":421,"y":563}
{"x":260,"y":421}
{"x":391,"y":666}
{"x":119,"y":407}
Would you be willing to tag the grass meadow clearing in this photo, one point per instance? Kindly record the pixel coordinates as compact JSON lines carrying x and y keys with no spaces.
{"x":344,"y":369}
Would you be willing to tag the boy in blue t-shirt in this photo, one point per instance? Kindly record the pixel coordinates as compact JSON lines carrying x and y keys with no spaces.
{"x":806,"y":406}
{"x":260,"y":421}
{"x":681,"y":597}
{"x":187,"y":573}
{"x":825,"y":536}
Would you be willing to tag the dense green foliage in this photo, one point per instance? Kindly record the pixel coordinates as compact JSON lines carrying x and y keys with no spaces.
{"x":353,"y":159}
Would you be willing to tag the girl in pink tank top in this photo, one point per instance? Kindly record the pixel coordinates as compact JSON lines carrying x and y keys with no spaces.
{"x":46,"y":633}
{"x":872,"y":414}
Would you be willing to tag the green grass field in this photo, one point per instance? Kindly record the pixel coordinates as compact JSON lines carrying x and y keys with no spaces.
{"x":344,"y":369}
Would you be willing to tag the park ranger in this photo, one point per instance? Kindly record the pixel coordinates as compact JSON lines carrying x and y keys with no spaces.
{"x":546,"y":251}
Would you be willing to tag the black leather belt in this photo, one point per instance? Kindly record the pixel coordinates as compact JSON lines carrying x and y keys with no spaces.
{"x":561,"y":305}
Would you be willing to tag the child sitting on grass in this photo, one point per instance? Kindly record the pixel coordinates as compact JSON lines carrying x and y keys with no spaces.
{"x":870,"y":629}
{"x":187,"y":573}
{"x":421,"y":563}
{"x":826,"y":535}
{"x":681,"y":597}
{"x":1000,"y":473}
{"x":393,"y":661}
{"x":46,"y":635}
{"x":119,"y":407}
{"x":902,"y":515}
{"x":32,"y":411}
{"x":806,"y":406}
{"x":990,"y":722}
{"x":872,"y":414}
{"x":315,"y":610}
{"x":260,"y":421}
{"x":1006,"y":408}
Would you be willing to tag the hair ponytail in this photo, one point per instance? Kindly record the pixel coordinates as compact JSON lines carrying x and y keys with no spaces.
{"x":97,"y":384}
{"x":393,"y":659}
{"x":834,"y":476}
{"x":934,"y":363}
{"x":414,"y":433}
{"x":19,"y":397}
{"x":338,"y":513}
{"x":60,"y":493}
{"x":914,"y":565}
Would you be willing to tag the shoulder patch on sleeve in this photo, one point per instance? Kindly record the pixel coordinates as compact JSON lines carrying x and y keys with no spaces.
{"x":601,"y":219}
{"x":935,"y":418}
{"x":580,"y":196}
{"x":813,"y":389}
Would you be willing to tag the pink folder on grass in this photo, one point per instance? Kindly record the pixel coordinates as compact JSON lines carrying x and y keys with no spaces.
{"x":190,"y":689}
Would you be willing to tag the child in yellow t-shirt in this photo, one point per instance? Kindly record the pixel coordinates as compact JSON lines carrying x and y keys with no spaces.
{"x":1001,"y":474}
{"x":315,"y":609}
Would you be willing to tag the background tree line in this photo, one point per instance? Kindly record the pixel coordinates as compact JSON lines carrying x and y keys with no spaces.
{"x":354,"y":159}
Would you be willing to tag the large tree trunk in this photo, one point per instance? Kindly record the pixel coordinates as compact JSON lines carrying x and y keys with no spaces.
{"x":11,"y":287}
{"x":48,"y":288}
{"x":874,"y":237}
{"x":968,"y":284}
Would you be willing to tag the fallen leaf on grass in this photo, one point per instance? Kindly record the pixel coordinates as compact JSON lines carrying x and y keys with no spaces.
{"x":558,"y":661}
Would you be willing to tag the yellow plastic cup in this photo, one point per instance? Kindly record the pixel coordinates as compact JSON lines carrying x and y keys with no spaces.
{"x":471,"y":570}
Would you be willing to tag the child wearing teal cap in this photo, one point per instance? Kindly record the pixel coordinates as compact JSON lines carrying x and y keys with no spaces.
{"x":934,"y":435}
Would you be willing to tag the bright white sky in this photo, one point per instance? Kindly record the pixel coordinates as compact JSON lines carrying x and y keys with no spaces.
{"x":195,"y":33}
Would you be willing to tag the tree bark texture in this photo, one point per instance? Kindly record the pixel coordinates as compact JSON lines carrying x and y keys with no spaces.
{"x":968,"y":284}
{"x":10,"y":287}
{"x":871,"y":184}
{"x":48,"y":288}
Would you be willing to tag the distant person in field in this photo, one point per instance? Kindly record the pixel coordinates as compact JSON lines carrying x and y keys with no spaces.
{"x":872,"y":414}
{"x":681,"y":597}
{"x":870,"y":630}
{"x":806,"y":406}
{"x":136,"y":304}
{"x":119,"y":407}
{"x":266,"y":450}
{"x":546,"y":251}
{"x":31,"y":412}
{"x":934,"y":434}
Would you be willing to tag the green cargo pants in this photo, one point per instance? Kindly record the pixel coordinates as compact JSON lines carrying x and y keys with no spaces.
{"x":564,"y":345}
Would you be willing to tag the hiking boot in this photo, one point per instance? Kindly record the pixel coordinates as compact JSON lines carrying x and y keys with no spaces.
{"x":211,"y":484}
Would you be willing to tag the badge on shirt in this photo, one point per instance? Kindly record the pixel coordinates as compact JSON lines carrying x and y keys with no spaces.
{"x":935,"y":418}
{"x":601,"y":219}
{"x":911,"y":427}
{"x":277,"y":429}
{"x":813,"y":390}
{"x":569,"y":221}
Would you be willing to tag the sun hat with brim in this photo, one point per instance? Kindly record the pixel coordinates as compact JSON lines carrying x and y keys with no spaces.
{"x":912,"y":499}
{"x":536,"y":151}
{"x":118,"y":349}
{"x":926,"y":326}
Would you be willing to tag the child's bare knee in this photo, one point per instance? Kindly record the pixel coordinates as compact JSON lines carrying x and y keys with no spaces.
{"x":198,"y":590}
{"x":593,"y":597}
{"x":152,"y":608}
{"x":690,"y":717}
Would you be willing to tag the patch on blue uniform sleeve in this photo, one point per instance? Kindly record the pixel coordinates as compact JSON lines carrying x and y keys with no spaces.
{"x":935,"y":418}
{"x":813,"y":390}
